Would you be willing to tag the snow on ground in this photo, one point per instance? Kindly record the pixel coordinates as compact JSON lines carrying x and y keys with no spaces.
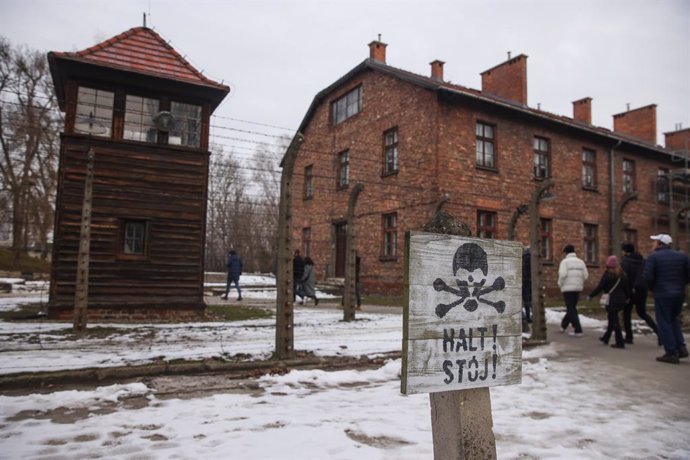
{"x":342,"y":415}
{"x":28,"y":347}
{"x":564,"y":408}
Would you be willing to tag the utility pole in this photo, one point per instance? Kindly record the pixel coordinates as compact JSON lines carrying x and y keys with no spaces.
{"x":81,"y":291}
{"x":538,"y":307}
{"x":351,"y":257}
{"x":284,"y":299}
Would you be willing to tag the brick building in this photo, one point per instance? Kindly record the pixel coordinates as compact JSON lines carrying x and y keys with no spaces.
{"x":413,"y":141}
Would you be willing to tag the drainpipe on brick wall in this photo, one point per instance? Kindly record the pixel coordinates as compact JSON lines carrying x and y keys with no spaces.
{"x":612,"y":197}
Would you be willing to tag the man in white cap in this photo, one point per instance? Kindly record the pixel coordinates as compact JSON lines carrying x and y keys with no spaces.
{"x":666,"y":272}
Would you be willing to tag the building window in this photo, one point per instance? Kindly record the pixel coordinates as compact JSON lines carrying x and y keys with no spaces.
{"x":486,"y":145}
{"x":343,"y":168}
{"x":663,"y":194}
{"x":390,"y":151}
{"x":306,"y":241}
{"x":628,"y":176}
{"x":187,"y":124}
{"x":546,"y":239}
{"x":94,"y":112}
{"x":390,"y":235}
{"x":591,"y":244}
{"x":486,"y":224}
{"x":347,"y":106}
{"x":589,"y":169}
{"x":541,"y":158}
{"x":309,"y":182}
{"x":134,"y":237}
{"x":139,"y":113}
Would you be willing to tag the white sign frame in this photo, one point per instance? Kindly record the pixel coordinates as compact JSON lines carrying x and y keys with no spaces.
{"x":479,"y":323}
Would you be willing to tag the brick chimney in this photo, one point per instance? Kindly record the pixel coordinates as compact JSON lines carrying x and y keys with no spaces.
{"x":582,"y":110}
{"x":508,"y":80}
{"x":678,"y":140}
{"x":639,"y":123}
{"x":377,"y":51}
{"x":437,"y":70}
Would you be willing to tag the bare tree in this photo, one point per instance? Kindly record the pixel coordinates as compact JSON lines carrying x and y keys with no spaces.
{"x":29,"y":126}
{"x":226,"y":191}
{"x":266,"y":174}
{"x":243,"y":208}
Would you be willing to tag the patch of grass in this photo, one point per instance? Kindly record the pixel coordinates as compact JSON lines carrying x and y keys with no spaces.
{"x":26,"y":263}
{"x":91,"y":332}
{"x":237,"y":313}
{"x":25,"y":313}
{"x":385,"y":301}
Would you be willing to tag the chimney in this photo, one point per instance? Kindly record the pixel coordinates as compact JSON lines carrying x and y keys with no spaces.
{"x":639,"y":123}
{"x":678,"y":140}
{"x":582,"y":110}
{"x":377,"y":51}
{"x":437,"y":70}
{"x":508,"y":80}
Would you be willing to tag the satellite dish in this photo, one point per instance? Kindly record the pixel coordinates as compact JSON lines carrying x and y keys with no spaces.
{"x":89,"y":124}
{"x":164,"y":121}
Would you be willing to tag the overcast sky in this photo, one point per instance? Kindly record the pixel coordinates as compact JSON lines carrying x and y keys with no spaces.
{"x":276,"y":55}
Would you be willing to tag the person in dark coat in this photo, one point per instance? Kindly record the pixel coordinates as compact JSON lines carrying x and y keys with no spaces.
{"x":297,"y":273}
{"x":632,"y":264}
{"x":234,"y":265}
{"x":666,"y":273}
{"x":308,"y":282}
{"x":615,"y":284}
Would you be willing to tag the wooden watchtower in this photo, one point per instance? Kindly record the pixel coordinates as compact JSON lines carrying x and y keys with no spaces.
{"x":145,"y":113}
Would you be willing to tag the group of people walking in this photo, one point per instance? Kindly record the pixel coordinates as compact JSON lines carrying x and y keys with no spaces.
{"x":624,"y":286}
{"x":302,"y":269}
{"x":304,"y":278}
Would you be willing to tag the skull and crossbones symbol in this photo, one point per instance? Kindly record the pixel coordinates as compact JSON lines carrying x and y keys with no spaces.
{"x":470,"y":257}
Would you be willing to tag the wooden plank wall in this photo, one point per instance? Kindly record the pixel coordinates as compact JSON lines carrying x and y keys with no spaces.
{"x":163,"y":185}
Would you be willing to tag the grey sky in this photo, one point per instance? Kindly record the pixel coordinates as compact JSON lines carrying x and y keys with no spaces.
{"x":276,"y":55}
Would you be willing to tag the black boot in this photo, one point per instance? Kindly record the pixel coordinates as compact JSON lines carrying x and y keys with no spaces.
{"x":669,"y":358}
{"x":683,"y":352}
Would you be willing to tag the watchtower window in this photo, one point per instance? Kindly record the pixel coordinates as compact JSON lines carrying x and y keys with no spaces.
{"x":134,"y":237}
{"x":139,"y":113}
{"x":94,"y":112}
{"x":187,"y":129}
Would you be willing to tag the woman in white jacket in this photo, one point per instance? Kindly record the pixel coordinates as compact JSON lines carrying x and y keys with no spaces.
{"x":572,"y":274}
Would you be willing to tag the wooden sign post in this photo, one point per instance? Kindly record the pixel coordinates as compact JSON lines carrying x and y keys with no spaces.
{"x":462,"y":334}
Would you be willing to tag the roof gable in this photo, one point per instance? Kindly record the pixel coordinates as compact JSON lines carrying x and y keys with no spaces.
{"x":141,"y":50}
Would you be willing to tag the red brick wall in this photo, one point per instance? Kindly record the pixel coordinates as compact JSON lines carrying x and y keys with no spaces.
{"x":411,"y":192}
{"x":508,"y":80}
{"x":678,"y":140}
{"x":137,"y":314}
{"x":582,"y":110}
{"x":437,"y":157}
{"x":639,"y":123}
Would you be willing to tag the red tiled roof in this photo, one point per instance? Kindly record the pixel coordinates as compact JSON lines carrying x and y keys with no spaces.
{"x":142,"y":50}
